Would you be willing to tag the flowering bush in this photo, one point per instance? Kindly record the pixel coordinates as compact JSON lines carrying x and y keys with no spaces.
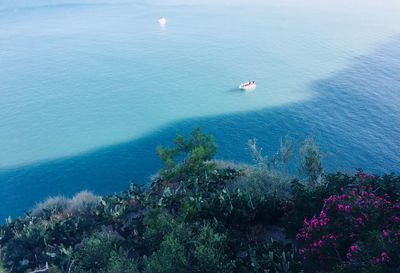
{"x":357,"y":227}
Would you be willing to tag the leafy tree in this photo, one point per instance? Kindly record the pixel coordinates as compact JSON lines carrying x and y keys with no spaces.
{"x":285,"y":154}
{"x":196,"y":151}
{"x":311,"y":163}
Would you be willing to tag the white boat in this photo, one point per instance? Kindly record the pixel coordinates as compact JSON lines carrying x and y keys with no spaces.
{"x":248,"y":85}
{"x":162,"y":21}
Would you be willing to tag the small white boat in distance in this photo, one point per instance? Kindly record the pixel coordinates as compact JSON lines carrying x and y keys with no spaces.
{"x":248,"y":85}
{"x":162,"y":21}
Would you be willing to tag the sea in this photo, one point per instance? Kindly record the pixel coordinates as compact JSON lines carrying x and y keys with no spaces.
{"x":89,"y":88}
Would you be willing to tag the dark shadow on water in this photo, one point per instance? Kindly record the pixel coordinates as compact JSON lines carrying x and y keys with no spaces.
{"x":354,"y":115}
{"x":235,"y":90}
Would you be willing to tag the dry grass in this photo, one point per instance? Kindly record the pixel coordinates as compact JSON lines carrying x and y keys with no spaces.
{"x":53,"y":205}
{"x":83,"y":202}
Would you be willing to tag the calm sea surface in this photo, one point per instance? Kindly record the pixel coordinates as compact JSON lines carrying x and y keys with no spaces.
{"x":89,"y":88}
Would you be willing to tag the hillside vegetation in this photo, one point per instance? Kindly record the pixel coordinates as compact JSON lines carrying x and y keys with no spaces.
{"x":197,"y":215}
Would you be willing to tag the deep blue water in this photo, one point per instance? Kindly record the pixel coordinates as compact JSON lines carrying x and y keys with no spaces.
{"x":66,"y":126}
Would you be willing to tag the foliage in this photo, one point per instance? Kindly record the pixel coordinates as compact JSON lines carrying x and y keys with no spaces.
{"x":308,"y":201}
{"x":93,"y":254}
{"x":119,"y":263}
{"x":269,"y":257}
{"x":310,"y":163}
{"x":198,"y":215}
{"x":30,"y":243}
{"x":2,"y":268}
{"x":261,"y":160}
{"x":280,"y":163}
{"x":261,"y":183}
{"x":358,"y":227}
{"x":197,"y":151}
{"x":191,"y":249}
{"x":99,"y":254}
{"x":54,"y":269}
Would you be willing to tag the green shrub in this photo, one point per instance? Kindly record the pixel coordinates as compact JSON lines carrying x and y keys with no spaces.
{"x":263,"y":184}
{"x":209,"y":252}
{"x":171,"y":258}
{"x":94,"y":253}
{"x":118,"y":263}
{"x":190,"y":249}
{"x":54,"y":269}
{"x":156,"y":225}
{"x":2,"y":268}
{"x":27,"y":248}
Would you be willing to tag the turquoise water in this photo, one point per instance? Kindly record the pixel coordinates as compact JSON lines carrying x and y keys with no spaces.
{"x":89,"y":88}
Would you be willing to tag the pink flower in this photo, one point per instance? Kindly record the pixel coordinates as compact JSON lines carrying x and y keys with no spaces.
{"x":364,"y":193}
{"x":349,"y":256}
{"x":332,"y":198}
{"x":340,"y":207}
{"x":396,"y":219}
{"x":314,"y":222}
{"x":384,"y":257}
{"x":342,"y":197}
{"x":354,"y":248}
{"x":372,"y":195}
{"x":347,"y":209}
{"x":385,"y":233}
